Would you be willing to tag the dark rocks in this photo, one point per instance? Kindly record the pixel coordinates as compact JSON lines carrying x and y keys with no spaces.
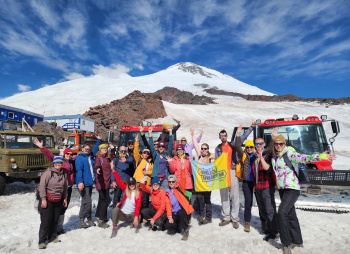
{"x":278,"y":98}
{"x":132,"y":110}
{"x":52,"y":128}
{"x":176,"y":96}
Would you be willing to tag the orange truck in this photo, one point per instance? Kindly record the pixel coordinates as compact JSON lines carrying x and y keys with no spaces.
{"x":77,"y":140}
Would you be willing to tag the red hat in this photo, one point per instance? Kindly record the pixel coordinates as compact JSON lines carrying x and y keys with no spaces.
{"x":68,"y":150}
{"x":180,"y":146}
{"x":161,"y":143}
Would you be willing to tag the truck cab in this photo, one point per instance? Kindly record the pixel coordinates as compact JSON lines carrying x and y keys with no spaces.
{"x":306,"y":136}
{"x":20,"y":159}
{"x":77,"y":140}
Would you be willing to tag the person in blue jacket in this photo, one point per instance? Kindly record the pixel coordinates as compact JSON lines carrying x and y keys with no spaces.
{"x":124,"y":165}
{"x":84,"y":164}
{"x":161,"y":165}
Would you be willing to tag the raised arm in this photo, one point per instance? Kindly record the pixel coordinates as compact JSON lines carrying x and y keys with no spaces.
{"x":171,"y":143}
{"x":238,"y":142}
{"x":46,"y":152}
{"x":136,"y":153}
{"x":98,"y":143}
{"x":119,"y":181}
{"x":176,"y":128}
{"x":195,"y":142}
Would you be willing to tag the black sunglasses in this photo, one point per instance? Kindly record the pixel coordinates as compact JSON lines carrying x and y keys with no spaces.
{"x":203,"y":148}
{"x":171,"y":181}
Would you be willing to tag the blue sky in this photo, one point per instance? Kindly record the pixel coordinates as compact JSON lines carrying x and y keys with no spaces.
{"x":299,"y":47}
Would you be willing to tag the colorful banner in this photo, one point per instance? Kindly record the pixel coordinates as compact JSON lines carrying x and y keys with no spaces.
{"x":211,"y":176}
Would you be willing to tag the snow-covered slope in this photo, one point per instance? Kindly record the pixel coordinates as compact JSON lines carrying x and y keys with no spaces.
{"x":76,"y":96}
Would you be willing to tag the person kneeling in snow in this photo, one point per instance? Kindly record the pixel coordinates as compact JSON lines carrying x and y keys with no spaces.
{"x":177,"y":204}
{"x":129,"y":208}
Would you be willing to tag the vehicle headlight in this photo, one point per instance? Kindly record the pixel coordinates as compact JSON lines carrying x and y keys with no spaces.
{"x":14,"y":165}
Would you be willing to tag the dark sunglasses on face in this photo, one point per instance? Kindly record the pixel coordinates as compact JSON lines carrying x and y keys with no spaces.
{"x":204,"y":148}
{"x":261,"y":143}
{"x":69,"y":154}
{"x":146,"y":153}
{"x":184,"y":140}
{"x":87,"y":149}
{"x":180,"y":149}
{"x":58,"y":162}
{"x":161,"y":146}
{"x":171,"y":181}
{"x":122,"y":151}
{"x":279,"y":144}
{"x":105,"y":147}
{"x":250,"y":147}
{"x":223,"y":136}
{"x":130,"y":144}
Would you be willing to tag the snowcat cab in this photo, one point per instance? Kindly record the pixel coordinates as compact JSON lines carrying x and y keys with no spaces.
{"x":76,"y":140}
{"x":305,"y":136}
{"x":128,"y":132}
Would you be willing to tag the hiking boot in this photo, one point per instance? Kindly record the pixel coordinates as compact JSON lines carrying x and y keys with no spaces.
{"x":90,"y":222}
{"x":287,"y":250}
{"x":200,"y":219}
{"x":82,"y":223}
{"x":42,"y":246}
{"x":55,"y":240}
{"x":271,"y":236}
{"x":102,"y":224}
{"x":264,"y":226}
{"x":206,"y":221}
{"x":114,"y":232}
{"x":293,"y":245}
{"x":235,"y":224}
{"x":247,"y":227}
{"x":224,"y":223}
{"x":185,"y":235}
{"x":154,"y":228}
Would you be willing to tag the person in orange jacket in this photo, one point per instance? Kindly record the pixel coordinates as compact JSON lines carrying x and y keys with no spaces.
{"x":178,"y":207}
{"x":155,"y":214}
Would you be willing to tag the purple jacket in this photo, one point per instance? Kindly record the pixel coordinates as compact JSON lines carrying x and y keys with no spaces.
{"x":103,"y":180}
{"x":66,"y":166}
{"x":189,"y":147}
{"x":54,"y":182}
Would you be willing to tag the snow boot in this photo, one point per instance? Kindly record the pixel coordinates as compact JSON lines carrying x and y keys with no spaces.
{"x":82,"y":223}
{"x":293,"y":245}
{"x":54,"y":240}
{"x":247,"y":227}
{"x":224,"y":223}
{"x":235,"y":224}
{"x":206,"y":221}
{"x":114,"y":232}
{"x":185,"y":234}
{"x":42,"y":246}
{"x":271,"y":236}
{"x":102,"y":224}
{"x":90,"y":222}
{"x":287,"y":250}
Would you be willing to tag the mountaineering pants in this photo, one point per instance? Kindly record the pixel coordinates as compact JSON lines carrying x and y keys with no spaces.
{"x":267,"y":207}
{"x":288,"y":223}
{"x":86,"y":202}
{"x":180,"y":221}
{"x":227,"y":194}
{"x":102,"y":205}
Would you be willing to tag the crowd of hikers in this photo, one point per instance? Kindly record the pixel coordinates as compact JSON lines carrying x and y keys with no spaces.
{"x":155,"y":186}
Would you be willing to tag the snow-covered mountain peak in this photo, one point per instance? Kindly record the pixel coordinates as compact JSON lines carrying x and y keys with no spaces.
{"x":194,"y":69}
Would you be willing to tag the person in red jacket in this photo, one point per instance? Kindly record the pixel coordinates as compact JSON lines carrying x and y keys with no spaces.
{"x":129,"y":208}
{"x":155,"y":214}
{"x":178,"y":207}
{"x":68,"y":169}
{"x":103,"y":182}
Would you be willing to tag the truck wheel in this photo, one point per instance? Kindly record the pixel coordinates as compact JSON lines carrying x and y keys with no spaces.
{"x":2,"y":184}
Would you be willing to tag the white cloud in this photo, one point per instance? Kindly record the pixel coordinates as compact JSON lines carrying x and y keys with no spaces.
{"x":23,"y":88}
{"x":139,"y":66}
{"x":113,"y":71}
{"x":73,"y":76}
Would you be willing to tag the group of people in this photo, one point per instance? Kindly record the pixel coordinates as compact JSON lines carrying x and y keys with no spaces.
{"x":166,"y":180}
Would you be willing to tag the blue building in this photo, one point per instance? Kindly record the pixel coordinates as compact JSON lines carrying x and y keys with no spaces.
{"x":11,"y":117}
{"x":71,"y":122}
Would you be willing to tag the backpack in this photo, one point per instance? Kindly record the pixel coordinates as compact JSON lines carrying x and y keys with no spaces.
{"x":300,"y":170}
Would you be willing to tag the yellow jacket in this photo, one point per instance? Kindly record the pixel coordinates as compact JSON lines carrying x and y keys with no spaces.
{"x":141,"y":165}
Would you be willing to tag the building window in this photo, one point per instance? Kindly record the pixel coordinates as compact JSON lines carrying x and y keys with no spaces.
{"x":83,"y":122}
{"x":11,"y":115}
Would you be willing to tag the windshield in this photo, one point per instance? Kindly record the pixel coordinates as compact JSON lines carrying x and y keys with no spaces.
{"x":70,"y":142}
{"x":126,"y":136}
{"x":306,"y":139}
{"x":26,"y":141}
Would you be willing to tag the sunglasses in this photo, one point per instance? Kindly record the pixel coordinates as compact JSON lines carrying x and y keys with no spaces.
{"x":279,"y":144}
{"x":122,"y":151}
{"x":180,"y":149}
{"x":86,"y":149}
{"x":184,"y":140}
{"x":69,"y":154}
{"x":161,"y":146}
{"x":249,"y":147}
{"x":146,"y":153}
{"x":130,"y":144}
{"x":105,"y":147}
{"x":261,"y":143}
{"x":155,"y":144}
{"x":58,"y":162}
{"x":171,"y":181}
{"x":204,"y":148}
{"x":223,"y":136}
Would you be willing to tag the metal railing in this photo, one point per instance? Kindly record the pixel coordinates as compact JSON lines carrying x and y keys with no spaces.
{"x":329,"y":177}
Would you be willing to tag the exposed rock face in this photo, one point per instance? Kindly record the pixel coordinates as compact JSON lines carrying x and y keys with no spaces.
{"x":132,"y":109}
{"x":277,"y":98}
{"x":176,"y":96}
{"x":52,"y":128}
